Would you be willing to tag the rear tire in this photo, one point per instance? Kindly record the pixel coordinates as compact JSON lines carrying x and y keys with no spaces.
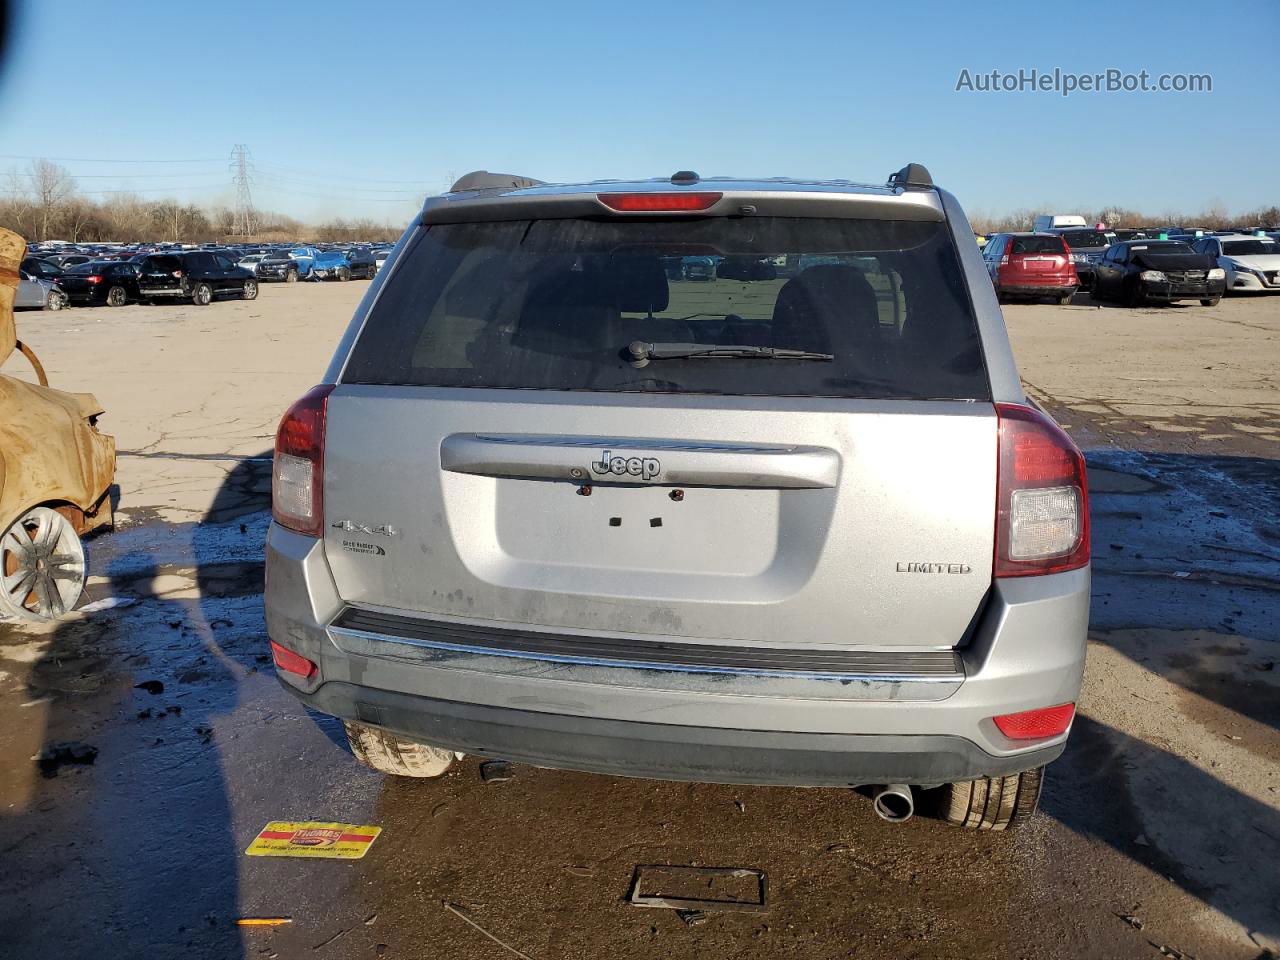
{"x":117,"y":297}
{"x":291,"y":276}
{"x":993,"y":803}
{"x":250,"y":291}
{"x":57,"y":300}
{"x":387,"y":753}
{"x":1210,"y":303}
{"x":202,"y":295}
{"x":344,"y":274}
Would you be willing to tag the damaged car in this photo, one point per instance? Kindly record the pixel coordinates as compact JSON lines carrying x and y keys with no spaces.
{"x":549,"y":506}
{"x":56,"y":472}
{"x":1158,"y":271}
{"x":331,"y":265}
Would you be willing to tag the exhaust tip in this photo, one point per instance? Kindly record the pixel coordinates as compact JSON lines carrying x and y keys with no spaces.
{"x":894,"y":803}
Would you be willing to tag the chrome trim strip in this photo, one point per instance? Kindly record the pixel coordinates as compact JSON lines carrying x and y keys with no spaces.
{"x":646,"y":664}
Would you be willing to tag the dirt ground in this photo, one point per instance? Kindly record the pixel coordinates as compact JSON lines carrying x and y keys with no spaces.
{"x":1160,"y":826}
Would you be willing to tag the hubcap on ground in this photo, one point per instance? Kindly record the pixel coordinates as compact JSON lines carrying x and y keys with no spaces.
{"x":42,"y":566}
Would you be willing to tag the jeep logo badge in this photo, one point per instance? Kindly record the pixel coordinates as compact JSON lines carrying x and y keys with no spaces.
{"x":646,"y":468}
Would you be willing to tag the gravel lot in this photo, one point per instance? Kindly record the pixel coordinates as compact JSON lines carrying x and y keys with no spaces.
{"x":1160,"y":828}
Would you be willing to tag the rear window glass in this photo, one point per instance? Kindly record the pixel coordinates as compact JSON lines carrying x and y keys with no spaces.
{"x":1037,"y":245}
{"x":163,"y":263}
{"x":554,"y":304}
{"x":1088,"y":238}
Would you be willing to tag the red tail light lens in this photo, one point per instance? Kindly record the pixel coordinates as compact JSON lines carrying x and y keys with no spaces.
{"x":1036,"y":724}
{"x":94,"y":279}
{"x":297,"y":489}
{"x":291,"y":662}
{"x":658,"y":202}
{"x":1042,"y":496}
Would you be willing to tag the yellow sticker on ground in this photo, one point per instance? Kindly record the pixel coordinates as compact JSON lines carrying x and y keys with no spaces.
{"x":333,"y":841}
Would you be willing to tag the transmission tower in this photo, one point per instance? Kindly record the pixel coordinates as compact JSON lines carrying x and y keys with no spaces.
{"x":241,"y":175}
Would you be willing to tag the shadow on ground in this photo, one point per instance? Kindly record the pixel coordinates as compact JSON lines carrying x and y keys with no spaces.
{"x":133,"y":854}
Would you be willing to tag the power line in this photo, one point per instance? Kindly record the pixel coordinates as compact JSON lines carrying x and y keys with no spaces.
{"x":24,"y":156}
{"x":339,"y":187}
{"x":219,"y":185}
{"x":138,"y":176}
{"x":269,"y":166}
{"x":331,"y":196}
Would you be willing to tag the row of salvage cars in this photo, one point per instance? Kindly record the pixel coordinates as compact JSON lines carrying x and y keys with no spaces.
{"x":56,"y":473}
{"x":1136,"y":271}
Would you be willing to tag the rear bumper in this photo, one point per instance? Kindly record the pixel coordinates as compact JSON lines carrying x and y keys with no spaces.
{"x":1026,"y":650}
{"x":665,"y":751}
{"x":1052,"y":289}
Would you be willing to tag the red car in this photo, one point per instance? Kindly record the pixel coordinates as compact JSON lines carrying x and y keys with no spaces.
{"x":1031,"y":265}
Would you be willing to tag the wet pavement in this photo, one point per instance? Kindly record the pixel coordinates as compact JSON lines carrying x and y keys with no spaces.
{"x":1165,"y":809}
{"x":168,"y":743}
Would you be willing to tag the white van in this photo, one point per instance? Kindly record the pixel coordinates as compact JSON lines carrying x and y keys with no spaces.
{"x":1058,"y":221}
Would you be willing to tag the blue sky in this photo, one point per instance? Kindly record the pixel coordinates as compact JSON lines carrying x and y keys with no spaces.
{"x":359,"y":108}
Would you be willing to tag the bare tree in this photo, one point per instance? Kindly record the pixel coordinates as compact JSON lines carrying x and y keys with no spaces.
{"x":49,"y":186}
{"x":127,"y":218}
{"x":79,"y":217}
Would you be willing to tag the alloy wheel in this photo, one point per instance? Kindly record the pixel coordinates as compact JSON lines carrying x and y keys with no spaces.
{"x":42,"y":566}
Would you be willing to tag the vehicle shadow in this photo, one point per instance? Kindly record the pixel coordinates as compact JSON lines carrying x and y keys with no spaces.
{"x":1186,"y":573}
{"x":133,"y":853}
{"x":1209,"y":838}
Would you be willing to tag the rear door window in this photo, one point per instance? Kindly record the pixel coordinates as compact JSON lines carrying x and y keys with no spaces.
{"x":554,"y":304}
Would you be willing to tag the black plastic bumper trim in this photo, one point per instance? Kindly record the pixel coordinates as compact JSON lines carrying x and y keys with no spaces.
{"x":670,"y":751}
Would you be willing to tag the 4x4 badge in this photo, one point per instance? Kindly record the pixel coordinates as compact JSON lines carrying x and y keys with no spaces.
{"x":646,"y":468}
{"x":350,"y":526}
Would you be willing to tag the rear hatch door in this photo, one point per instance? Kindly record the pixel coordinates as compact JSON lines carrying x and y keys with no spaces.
{"x":492,"y":454}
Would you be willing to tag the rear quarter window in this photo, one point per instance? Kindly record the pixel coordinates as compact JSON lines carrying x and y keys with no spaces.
{"x":554,"y":304}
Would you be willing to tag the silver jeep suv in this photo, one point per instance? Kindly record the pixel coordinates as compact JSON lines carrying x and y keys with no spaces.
{"x":792,"y":522}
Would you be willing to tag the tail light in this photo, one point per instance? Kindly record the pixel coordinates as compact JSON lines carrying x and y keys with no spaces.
{"x":291,"y":662}
{"x":658,"y":202}
{"x":93,"y":279}
{"x":297,"y":489}
{"x":1036,"y":724}
{"x":177,"y":273}
{"x":1042,"y":496}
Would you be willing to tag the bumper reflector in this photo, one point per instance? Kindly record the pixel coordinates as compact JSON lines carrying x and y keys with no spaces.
{"x":1036,"y":724}
{"x":291,"y":662}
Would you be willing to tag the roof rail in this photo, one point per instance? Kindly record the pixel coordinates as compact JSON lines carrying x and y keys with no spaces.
{"x":912,"y":175}
{"x":484,"y":180}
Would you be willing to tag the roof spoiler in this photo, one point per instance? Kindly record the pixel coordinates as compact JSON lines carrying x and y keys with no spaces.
{"x":484,"y":180}
{"x":912,"y":175}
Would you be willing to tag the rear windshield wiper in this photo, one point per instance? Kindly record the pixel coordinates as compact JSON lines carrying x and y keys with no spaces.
{"x":641,"y":353}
